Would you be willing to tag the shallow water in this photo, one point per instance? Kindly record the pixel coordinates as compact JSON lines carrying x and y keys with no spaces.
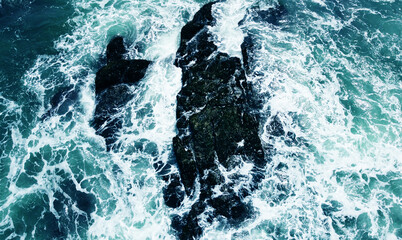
{"x":329,"y":71}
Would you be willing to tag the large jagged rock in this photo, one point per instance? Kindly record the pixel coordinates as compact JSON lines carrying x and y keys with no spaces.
{"x":112,"y":90}
{"x":216,"y":129}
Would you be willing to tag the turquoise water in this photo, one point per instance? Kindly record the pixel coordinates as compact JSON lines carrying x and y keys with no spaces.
{"x":330,"y":71}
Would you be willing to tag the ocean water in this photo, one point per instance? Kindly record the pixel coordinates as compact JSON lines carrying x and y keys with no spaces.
{"x":329,"y":71}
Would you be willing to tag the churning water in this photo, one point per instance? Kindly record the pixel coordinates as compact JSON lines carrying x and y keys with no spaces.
{"x":330,"y":72}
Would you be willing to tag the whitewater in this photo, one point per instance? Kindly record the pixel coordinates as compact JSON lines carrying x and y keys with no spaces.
{"x":329,"y":72}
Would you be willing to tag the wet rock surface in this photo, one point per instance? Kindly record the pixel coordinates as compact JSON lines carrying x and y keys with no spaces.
{"x":217,"y":132}
{"x":112,"y":89}
{"x":120,"y":71}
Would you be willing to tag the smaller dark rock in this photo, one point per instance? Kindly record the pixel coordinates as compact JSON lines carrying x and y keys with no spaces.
{"x":231,"y":207}
{"x":173,"y":193}
{"x":105,"y":122}
{"x":275,"y":127}
{"x":112,"y":92}
{"x":112,"y":99}
{"x":115,"y":49}
{"x":120,"y":71}
{"x":202,"y":18}
{"x":213,"y":178}
{"x":187,"y":226}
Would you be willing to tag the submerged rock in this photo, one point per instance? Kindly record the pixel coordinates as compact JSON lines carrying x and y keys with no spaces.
{"x":62,"y":101}
{"x":112,"y":90}
{"x":216,"y":130}
{"x":273,"y":15}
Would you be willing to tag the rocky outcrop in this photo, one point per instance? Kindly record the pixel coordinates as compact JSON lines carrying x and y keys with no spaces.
{"x":217,"y":132}
{"x":112,"y":90}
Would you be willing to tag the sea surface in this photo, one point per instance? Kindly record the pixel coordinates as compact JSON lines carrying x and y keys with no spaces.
{"x":330,"y":71}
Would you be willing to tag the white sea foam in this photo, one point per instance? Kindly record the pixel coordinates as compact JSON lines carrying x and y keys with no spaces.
{"x":228,"y":36}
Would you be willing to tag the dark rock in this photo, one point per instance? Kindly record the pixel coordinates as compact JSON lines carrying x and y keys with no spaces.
{"x":187,"y":226}
{"x":115,"y":49}
{"x":216,"y":128}
{"x":106,"y":120}
{"x":173,"y":193}
{"x":120,"y":71}
{"x":201,"y":19}
{"x":231,"y":206}
{"x":112,"y":90}
{"x":182,"y":60}
{"x":115,"y":96}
